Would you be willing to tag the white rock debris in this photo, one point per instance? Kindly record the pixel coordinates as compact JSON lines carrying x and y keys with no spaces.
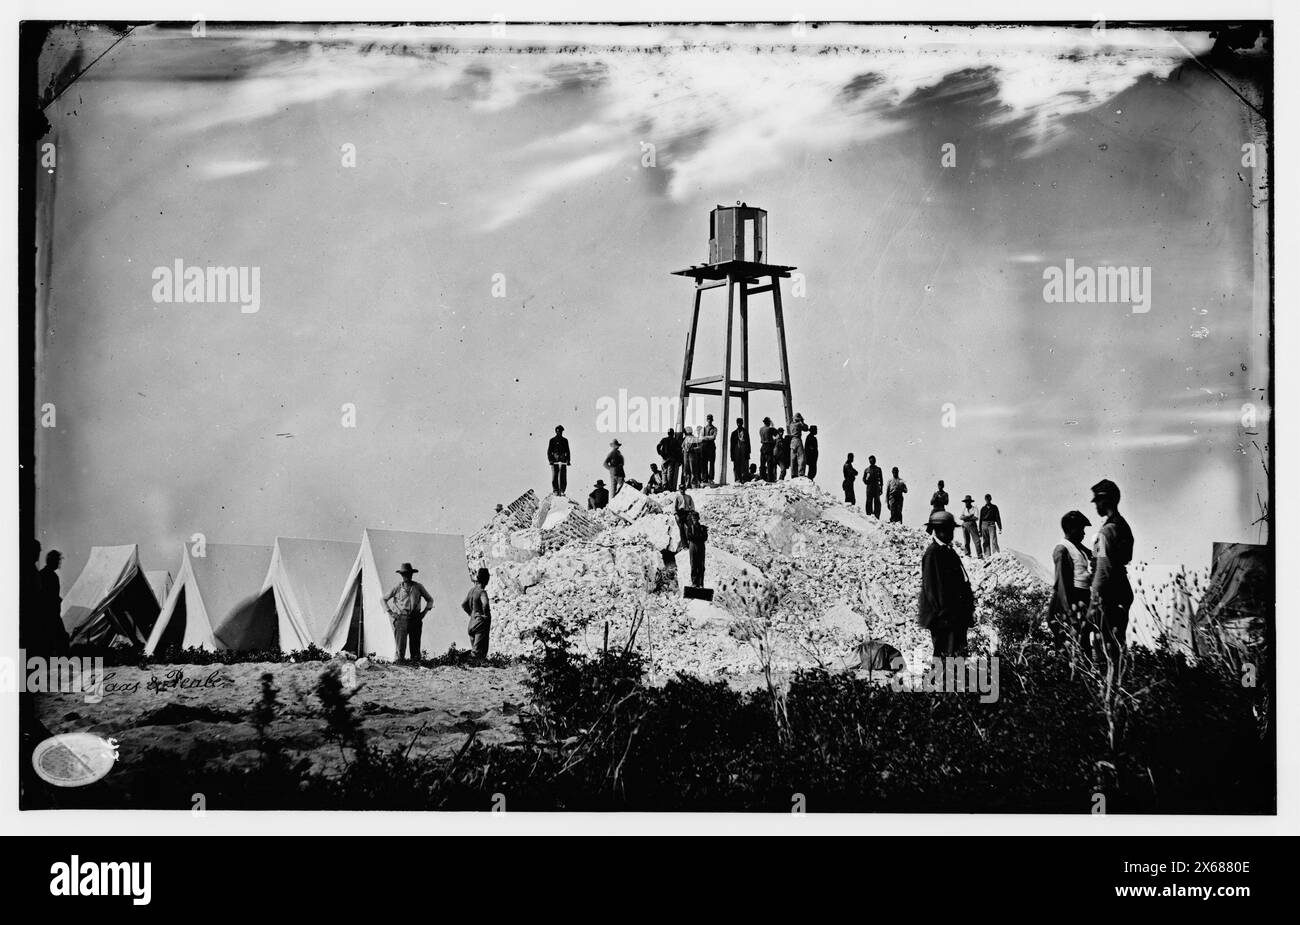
{"x":800,"y":579}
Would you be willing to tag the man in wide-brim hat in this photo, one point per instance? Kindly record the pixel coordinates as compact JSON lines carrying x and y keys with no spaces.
{"x":970,"y":526}
{"x":947,"y":603}
{"x":599,"y":496}
{"x":614,"y":466}
{"x":403,"y":604}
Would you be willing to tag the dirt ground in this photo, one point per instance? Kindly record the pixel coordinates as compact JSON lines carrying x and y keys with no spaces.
{"x":178,"y":708}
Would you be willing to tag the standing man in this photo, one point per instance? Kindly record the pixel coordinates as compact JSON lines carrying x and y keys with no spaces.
{"x":795,"y":431}
{"x":740,"y":450}
{"x":970,"y":526}
{"x":49,"y":607}
{"x":694,"y":460}
{"x":782,"y":452}
{"x":1111,"y":595}
{"x":599,"y":497}
{"x":479,"y":608}
{"x":875,"y":482}
{"x":894,"y":492}
{"x":683,"y":507}
{"x":939,"y":500}
{"x":1072,"y":589}
{"x":614,"y":466}
{"x":947,"y":603}
{"x":990,"y":525}
{"x":766,"y":451}
{"x":810,"y":452}
{"x":850,"y":476}
{"x":557,"y":454}
{"x":709,"y":449}
{"x":403,"y":604}
{"x":670,"y":451}
{"x":696,"y":536}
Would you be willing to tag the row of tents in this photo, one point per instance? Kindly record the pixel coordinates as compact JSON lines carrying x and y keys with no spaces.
{"x":295,"y":594}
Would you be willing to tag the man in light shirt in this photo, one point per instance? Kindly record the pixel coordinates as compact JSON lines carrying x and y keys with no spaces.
{"x":403,"y":604}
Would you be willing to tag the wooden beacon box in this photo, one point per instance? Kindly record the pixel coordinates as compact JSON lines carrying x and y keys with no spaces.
{"x":737,"y":233}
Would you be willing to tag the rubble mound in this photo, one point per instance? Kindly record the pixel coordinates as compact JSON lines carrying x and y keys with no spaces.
{"x":800,"y":579}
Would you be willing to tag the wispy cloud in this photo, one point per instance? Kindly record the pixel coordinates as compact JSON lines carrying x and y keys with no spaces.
{"x":712,"y":100}
{"x":220,"y":170}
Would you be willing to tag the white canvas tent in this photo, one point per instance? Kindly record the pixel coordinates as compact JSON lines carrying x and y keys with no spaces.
{"x":217,"y":602}
{"x":361,"y":623}
{"x":110,"y":603}
{"x":160,"y":582}
{"x":306,"y":578}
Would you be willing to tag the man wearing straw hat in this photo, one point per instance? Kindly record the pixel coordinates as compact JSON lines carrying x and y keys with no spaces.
{"x":403,"y":603}
{"x":614,"y":466}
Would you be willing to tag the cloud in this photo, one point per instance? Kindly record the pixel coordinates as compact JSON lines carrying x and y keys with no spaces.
{"x":721,"y":105}
{"x":220,"y":170}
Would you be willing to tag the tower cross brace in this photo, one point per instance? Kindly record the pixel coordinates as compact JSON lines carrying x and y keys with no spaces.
{"x":742,"y":280}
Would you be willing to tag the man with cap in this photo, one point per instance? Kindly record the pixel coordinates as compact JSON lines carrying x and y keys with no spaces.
{"x":850,"y":474}
{"x":1112,"y":550}
{"x":939,"y":500}
{"x":740,"y":450}
{"x":1072,"y":588}
{"x":403,"y":604}
{"x":810,"y":453}
{"x":614,"y":466}
{"x":683,"y":506}
{"x":970,"y":527}
{"x":709,"y":449}
{"x":557,"y":454}
{"x":794,"y":439}
{"x":767,"y":451}
{"x":947,"y":603}
{"x":990,"y":525}
{"x":599,"y":496}
{"x":874,"y":479}
{"x":479,"y":608}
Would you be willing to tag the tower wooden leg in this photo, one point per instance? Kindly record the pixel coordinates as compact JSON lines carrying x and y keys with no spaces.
{"x":689,"y":362}
{"x":785,"y":357}
{"x":726,"y":378}
{"x":744,"y":354}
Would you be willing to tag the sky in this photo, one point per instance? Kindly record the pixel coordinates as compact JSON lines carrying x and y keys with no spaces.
{"x":464,"y":237}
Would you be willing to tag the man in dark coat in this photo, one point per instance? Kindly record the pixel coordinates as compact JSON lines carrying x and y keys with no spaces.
{"x":51,"y":637}
{"x":990,"y":525}
{"x":557,"y":454}
{"x":782,"y":452}
{"x":767,"y":451}
{"x":599,"y":496}
{"x":939,"y":500}
{"x":696,"y":536}
{"x":740,"y":450}
{"x":875,"y":482}
{"x":850,"y":477}
{"x":479,"y":608}
{"x":810,"y":452}
{"x":670,"y":452}
{"x":947,"y":603}
{"x":709,"y":449}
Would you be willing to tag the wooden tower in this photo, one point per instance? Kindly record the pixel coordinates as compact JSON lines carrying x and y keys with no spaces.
{"x":737,"y":260}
